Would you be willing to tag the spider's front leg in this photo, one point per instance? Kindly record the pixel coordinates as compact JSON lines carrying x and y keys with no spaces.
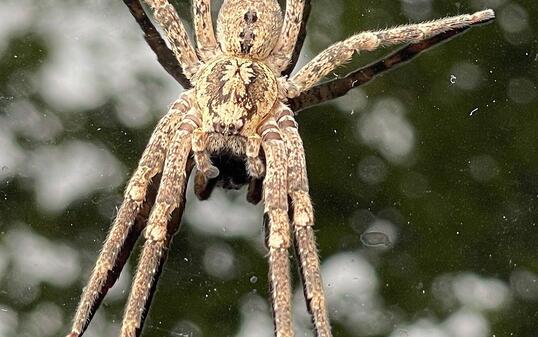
{"x":159,"y":231}
{"x":165,"y":56}
{"x":183,"y":49}
{"x":300,"y":39}
{"x":341,"y":52}
{"x":208,"y":47}
{"x":303,"y":222}
{"x":277,"y":225}
{"x":282,"y":53}
{"x":130,"y":218}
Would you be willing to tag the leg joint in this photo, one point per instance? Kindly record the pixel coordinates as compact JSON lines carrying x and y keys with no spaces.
{"x":279,"y":230}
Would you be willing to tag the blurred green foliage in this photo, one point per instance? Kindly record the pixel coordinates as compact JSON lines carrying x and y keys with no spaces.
{"x":448,"y":220}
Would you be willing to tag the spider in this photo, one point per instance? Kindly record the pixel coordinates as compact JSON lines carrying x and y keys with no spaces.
{"x":236,"y":126}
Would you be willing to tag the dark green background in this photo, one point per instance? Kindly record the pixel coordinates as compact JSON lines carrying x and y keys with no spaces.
{"x":463,"y":200}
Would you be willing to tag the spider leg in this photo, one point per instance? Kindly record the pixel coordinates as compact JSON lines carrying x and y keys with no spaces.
{"x":159,"y":233}
{"x":203,"y":187}
{"x":255,"y":169}
{"x":303,"y":221}
{"x":255,"y":166}
{"x":164,"y":55}
{"x":339,"y":87}
{"x":169,"y":20}
{"x":123,"y":254}
{"x":341,"y":52}
{"x":125,"y":228}
{"x":283,"y":51}
{"x":276,"y":218}
{"x":201,"y":156}
{"x":300,"y":40}
{"x":173,"y":226}
{"x":203,"y":29}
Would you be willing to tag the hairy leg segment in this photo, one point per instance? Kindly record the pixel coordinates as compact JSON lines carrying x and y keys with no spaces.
{"x":302,"y":215}
{"x":168,"y":18}
{"x":276,"y":216}
{"x":339,"y":53}
{"x":283,"y":52}
{"x":171,"y":196}
{"x":208,"y":47}
{"x":124,"y":231}
{"x":335,"y":88}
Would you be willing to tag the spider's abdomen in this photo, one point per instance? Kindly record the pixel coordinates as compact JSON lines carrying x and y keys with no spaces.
{"x":249,"y":28}
{"x":234,"y":95}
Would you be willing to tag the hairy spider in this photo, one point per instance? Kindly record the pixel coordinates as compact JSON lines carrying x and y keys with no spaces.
{"x":236,"y":126}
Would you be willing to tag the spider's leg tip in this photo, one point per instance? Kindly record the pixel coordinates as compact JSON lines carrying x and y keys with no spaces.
{"x":484,"y":16}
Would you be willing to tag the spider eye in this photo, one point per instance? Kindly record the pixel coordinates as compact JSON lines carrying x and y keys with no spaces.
{"x":251,"y":16}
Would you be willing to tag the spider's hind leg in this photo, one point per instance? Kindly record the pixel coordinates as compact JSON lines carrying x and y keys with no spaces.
{"x":276,"y":215}
{"x":130,"y":218}
{"x":122,"y":256}
{"x":159,"y":231}
{"x":300,"y":40}
{"x":302,"y":215}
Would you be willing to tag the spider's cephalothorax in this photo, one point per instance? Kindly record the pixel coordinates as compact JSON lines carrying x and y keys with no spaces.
{"x":234,"y":95}
{"x":235,"y":127}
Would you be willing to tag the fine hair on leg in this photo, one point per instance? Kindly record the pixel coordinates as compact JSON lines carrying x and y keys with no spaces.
{"x":278,"y":228}
{"x":300,"y":39}
{"x":120,"y":235}
{"x":340,"y":52}
{"x":335,"y":88}
{"x":176,"y":34}
{"x":170,"y":197}
{"x":303,"y":222}
{"x":207,"y":44}
{"x":165,"y":56}
{"x":282,"y":53}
